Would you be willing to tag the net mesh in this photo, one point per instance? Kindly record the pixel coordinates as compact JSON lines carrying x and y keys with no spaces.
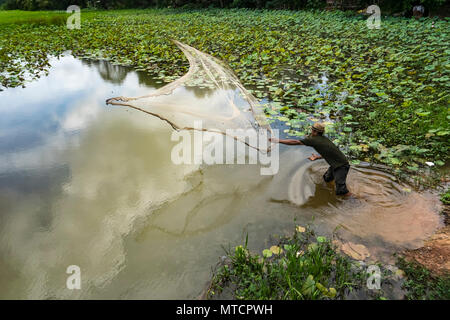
{"x":225,"y":103}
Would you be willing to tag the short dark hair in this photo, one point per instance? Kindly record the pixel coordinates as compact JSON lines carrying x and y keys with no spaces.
{"x":320,"y":133}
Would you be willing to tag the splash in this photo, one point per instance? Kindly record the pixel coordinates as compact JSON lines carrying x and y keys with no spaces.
{"x":384,"y":212}
{"x":229,"y":104}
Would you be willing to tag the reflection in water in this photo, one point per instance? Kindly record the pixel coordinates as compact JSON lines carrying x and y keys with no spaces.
{"x":89,"y":185}
{"x":109,"y":72}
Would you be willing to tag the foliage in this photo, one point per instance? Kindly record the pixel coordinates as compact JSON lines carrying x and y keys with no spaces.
{"x":42,"y":4}
{"x":305,"y":267}
{"x":33,"y":17}
{"x":386,"y":96}
{"x":421,"y":284}
{"x":445,"y":197}
{"x":391,"y":5}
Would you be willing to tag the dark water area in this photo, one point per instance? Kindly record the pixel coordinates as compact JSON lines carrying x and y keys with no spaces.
{"x":86,"y":184}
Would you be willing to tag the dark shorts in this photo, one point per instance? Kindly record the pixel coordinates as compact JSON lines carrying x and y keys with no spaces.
{"x":339,"y":175}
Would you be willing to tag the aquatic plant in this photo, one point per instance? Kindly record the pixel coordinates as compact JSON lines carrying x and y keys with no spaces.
{"x":421,"y":284}
{"x":385,"y":98}
{"x":301,"y":267}
{"x":445,"y":197}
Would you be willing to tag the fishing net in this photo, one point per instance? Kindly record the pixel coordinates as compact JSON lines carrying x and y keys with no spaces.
{"x":225,"y":104}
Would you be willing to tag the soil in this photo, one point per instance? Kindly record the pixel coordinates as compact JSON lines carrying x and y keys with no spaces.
{"x":435,"y":253}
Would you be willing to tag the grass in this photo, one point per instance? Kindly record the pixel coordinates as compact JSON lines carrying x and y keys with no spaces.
{"x":302,"y":267}
{"x":421,"y":284}
{"x":32,"y":17}
{"x":387,"y":93}
{"x":445,"y":197}
{"x":309,"y":267}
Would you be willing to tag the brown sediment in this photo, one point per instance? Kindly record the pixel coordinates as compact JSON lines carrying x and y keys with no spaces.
{"x":435,"y":254}
{"x":353,"y":250}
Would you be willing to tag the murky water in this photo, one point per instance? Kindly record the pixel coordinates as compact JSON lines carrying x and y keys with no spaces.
{"x":90,"y":185}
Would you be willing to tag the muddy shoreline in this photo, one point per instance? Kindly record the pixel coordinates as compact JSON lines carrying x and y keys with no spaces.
{"x":432,"y":255}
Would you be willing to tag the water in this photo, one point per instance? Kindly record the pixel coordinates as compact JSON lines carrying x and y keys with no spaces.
{"x":90,"y":185}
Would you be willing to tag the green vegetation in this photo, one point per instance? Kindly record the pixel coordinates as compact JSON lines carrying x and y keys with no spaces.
{"x":445,"y":197}
{"x":390,"y":5}
{"x":422,"y":285}
{"x":307,"y":266}
{"x":302,"y":267}
{"x":387,"y":93}
{"x":32,"y":17}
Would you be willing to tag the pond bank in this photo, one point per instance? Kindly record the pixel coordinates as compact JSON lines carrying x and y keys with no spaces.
{"x":435,"y":253}
{"x":306,"y":266}
{"x":285,"y":271}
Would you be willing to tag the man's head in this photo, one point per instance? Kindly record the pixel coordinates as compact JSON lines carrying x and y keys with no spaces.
{"x":317,"y":129}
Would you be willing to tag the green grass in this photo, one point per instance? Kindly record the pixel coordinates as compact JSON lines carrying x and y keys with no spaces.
{"x":388,"y":89}
{"x":304,"y":266}
{"x":445,"y":197}
{"x":308,"y":267}
{"x":421,"y":284}
{"x":32,"y":17}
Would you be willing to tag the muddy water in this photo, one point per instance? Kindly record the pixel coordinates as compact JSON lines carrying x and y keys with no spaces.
{"x":93,"y":186}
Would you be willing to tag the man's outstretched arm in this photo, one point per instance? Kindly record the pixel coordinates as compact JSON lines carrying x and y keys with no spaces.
{"x":287,"y":141}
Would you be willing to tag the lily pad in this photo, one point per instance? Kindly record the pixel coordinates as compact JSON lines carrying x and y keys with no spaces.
{"x":276,"y":250}
{"x":308,"y":286}
{"x":356,"y":251}
{"x":267,"y":253}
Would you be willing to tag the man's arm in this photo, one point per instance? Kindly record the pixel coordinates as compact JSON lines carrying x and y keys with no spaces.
{"x":290,"y":142}
{"x":295,"y":142}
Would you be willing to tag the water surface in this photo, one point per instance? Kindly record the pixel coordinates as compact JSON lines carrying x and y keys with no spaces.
{"x":90,"y":185}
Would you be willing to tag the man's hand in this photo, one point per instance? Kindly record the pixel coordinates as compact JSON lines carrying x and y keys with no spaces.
{"x":274,"y":140}
{"x":314,"y":157}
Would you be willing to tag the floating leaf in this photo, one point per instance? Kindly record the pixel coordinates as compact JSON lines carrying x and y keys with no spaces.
{"x":267,"y":253}
{"x":308,"y":286}
{"x":331,"y":293}
{"x":276,"y":250}
{"x":356,"y":251}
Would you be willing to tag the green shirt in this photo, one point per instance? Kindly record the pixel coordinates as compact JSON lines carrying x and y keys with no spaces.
{"x":327,"y":150}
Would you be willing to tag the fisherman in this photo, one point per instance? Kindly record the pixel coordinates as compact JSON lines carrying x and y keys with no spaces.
{"x":339,"y":165}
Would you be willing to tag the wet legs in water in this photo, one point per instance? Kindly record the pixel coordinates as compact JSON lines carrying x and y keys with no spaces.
{"x":339,"y":175}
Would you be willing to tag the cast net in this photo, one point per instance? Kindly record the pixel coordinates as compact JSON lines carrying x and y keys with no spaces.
{"x":225,"y":104}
